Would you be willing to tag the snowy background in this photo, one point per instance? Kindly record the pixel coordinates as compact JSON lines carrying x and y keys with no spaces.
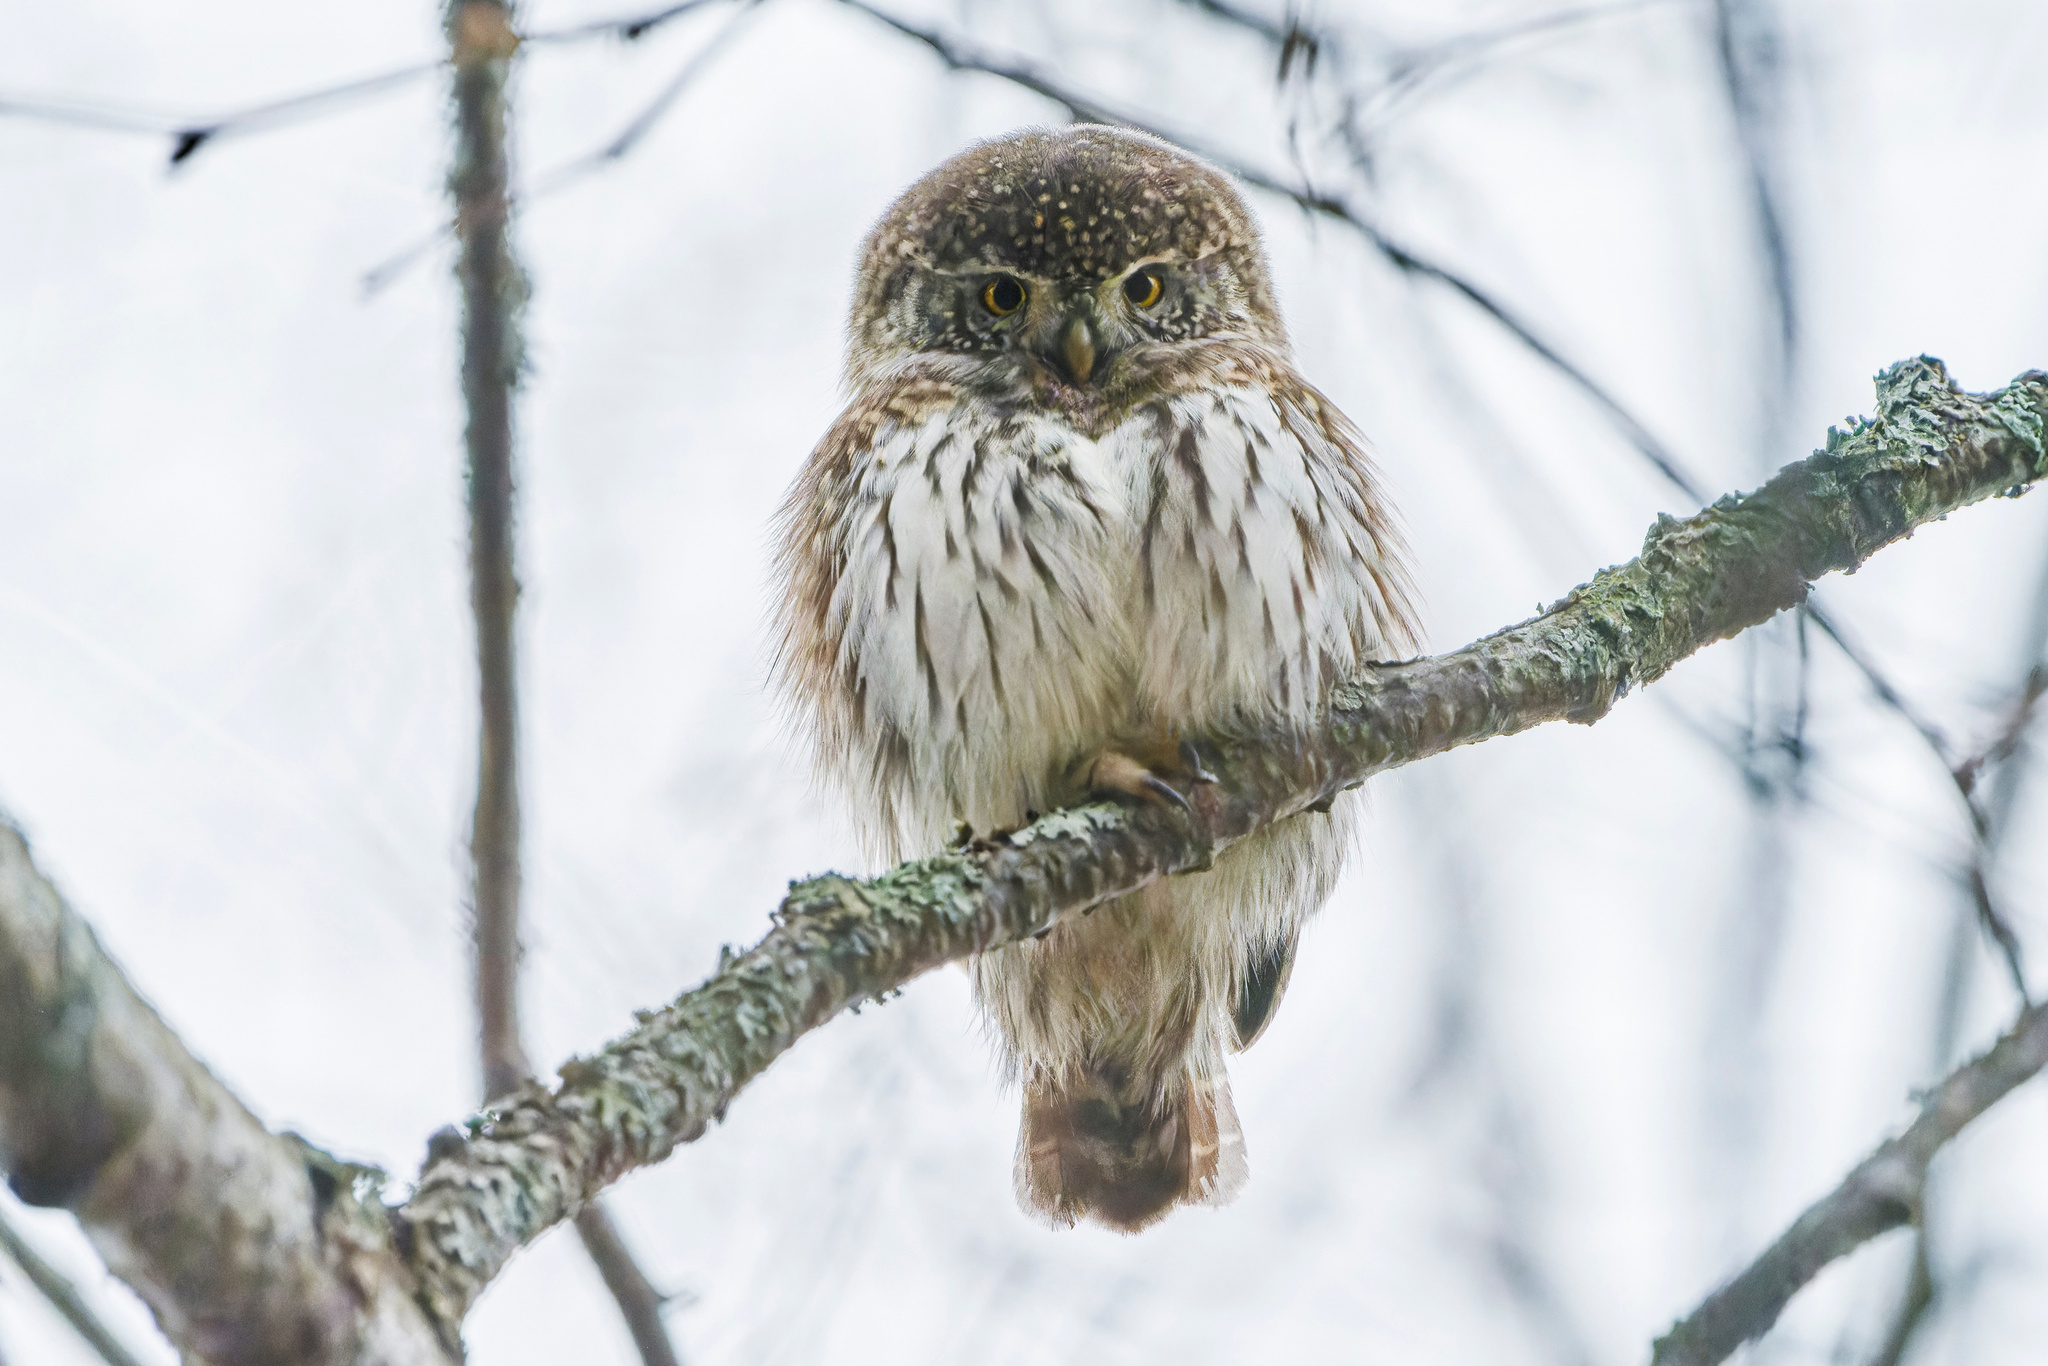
{"x":1596,"y":1011}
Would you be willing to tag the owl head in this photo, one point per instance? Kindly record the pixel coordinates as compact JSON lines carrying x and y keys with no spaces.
{"x":1074,"y":260}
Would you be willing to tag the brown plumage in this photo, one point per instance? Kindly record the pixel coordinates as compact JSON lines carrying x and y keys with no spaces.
{"x":1080,"y":503}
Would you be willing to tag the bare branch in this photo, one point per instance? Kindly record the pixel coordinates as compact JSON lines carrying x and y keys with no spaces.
{"x":493,"y":289}
{"x":640,"y":1304}
{"x":546,"y":1152}
{"x":1408,"y":72}
{"x":1274,"y":31}
{"x":1962,"y":775}
{"x":1881,"y":1194}
{"x":2002,"y":758}
{"x":251,"y":1248}
{"x":630,"y":28}
{"x":614,"y":150}
{"x":1913,"y":1308}
{"x":63,"y":1296}
{"x":188,"y":135}
{"x":1746,"y":45}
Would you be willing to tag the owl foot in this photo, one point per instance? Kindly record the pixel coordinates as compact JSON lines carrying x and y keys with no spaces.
{"x":1119,"y":773}
{"x":1114,"y":771}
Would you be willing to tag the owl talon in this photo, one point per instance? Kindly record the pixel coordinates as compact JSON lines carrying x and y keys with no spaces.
{"x":1159,"y":787}
{"x":1114,"y":772}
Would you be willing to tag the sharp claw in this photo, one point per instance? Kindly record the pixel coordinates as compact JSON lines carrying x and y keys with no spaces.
{"x":1190,"y":756}
{"x":1155,"y":784}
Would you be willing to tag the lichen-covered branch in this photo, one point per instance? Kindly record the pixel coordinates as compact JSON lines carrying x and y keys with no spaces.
{"x":251,"y":1248}
{"x":490,"y":1188}
{"x":1881,"y":1194}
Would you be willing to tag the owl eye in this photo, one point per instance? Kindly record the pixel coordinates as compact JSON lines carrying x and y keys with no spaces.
{"x":1002,"y":296}
{"x":1144,"y":288}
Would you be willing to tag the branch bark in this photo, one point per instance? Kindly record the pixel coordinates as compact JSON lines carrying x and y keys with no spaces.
{"x":1881,"y":1194}
{"x":249,"y":1245}
{"x":493,"y":289}
{"x":251,"y":1248}
{"x":517,"y":1170}
{"x":492,"y":292}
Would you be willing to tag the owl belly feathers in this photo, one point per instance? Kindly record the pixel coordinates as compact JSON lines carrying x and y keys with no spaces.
{"x":1080,"y":506}
{"x":1018,"y":597}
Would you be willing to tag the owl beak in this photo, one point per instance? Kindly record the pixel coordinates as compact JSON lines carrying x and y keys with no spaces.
{"x":1078,"y":345}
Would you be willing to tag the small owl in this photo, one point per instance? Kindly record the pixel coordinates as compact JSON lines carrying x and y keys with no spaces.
{"x":1080,"y":505}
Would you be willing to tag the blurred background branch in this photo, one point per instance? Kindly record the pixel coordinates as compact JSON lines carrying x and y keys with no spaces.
{"x":63,"y":1295}
{"x":493,"y":295}
{"x":1882,"y":1193}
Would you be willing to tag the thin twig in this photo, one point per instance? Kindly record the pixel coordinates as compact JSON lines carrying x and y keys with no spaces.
{"x":379,"y":277}
{"x":630,"y":28}
{"x":1913,"y":1308}
{"x":1962,"y":777}
{"x":63,"y":1296}
{"x":1882,"y":1193}
{"x":640,"y":1304}
{"x":629,"y":137}
{"x":1369,"y":115}
{"x":1273,"y":31}
{"x":1747,"y":53}
{"x":83,"y":114}
{"x":2005,"y":759}
{"x":189,"y":138}
{"x":188,"y":134}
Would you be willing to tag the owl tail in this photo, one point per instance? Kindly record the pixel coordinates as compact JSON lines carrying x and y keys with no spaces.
{"x":1088,"y":1149}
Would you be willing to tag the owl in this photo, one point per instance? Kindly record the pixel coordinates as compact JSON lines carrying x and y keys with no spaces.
{"x":1080,"y":506}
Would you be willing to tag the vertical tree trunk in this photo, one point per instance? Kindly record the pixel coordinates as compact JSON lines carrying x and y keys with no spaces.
{"x":493,"y":290}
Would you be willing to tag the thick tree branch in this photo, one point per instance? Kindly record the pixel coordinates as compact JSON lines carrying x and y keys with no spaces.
{"x":518,"y":1170}
{"x":1882,"y":1193}
{"x":251,"y":1248}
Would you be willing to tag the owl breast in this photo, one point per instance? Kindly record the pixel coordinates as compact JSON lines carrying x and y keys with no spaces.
{"x":982,"y":602}
{"x":976,"y":620}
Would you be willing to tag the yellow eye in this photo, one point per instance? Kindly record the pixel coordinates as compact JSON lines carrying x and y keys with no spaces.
{"x":1002,"y":296}
{"x":1143,"y":289}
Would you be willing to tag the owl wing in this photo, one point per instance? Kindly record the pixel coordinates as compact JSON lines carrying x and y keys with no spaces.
{"x":1271,"y":567}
